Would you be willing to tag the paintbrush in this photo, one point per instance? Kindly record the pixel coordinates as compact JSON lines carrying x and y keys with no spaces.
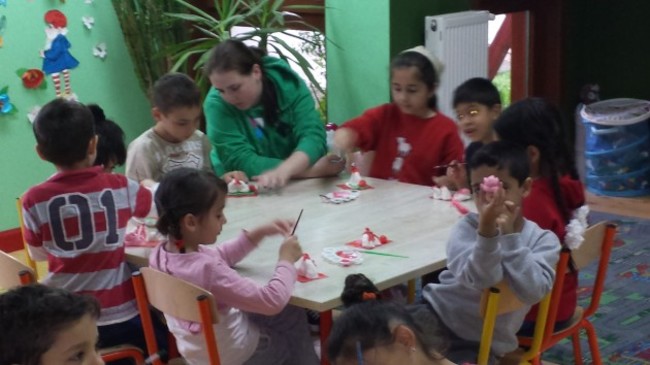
{"x":297,"y":221}
{"x":383,"y":254}
{"x":450,"y":165}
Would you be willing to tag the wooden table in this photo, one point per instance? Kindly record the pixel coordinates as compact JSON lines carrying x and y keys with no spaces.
{"x":417,"y":225}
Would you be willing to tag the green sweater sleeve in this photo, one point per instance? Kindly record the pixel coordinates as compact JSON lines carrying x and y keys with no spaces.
{"x":231,"y":136}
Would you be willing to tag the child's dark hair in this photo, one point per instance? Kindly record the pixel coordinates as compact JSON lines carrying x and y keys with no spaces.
{"x":185,"y":191}
{"x":110,"y":142}
{"x":425,"y":68}
{"x":477,"y":90}
{"x":175,"y":90}
{"x":358,"y":288}
{"x":370,"y":324}
{"x":32,"y":316}
{"x":234,"y":55}
{"x":503,"y":156}
{"x":63,"y":130}
{"x":536,"y":122}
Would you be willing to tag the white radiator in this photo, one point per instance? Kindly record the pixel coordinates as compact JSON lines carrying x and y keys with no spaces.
{"x":460,"y":41}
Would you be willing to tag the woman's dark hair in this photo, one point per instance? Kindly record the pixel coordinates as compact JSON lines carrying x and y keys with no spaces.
{"x":425,"y":68}
{"x":185,"y":191}
{"x":358,"y":288}
{"x":371,"y":324}
{"x":110,"y":143}
{"x":536,"y":122}
{"x":32,"y":316}
{"x":63,"y":130}
{"x":234,"y":55}
{"x":503,"y":155}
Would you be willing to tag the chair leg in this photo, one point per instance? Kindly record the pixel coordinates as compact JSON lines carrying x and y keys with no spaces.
{"x":577,"y":350}
{"x":593,"y":342}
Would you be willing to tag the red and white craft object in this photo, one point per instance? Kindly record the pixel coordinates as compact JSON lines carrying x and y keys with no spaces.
{"x":342,"y":196}
{"x":369,"y":240}
{"x":442,"y":193}
{"x":344,"y":256}
{"x":490,"y":185}
{"x":144,"y":235}
{"x":307,"y":270}
{"x":356,"y":182}
{"x":238,"y":187}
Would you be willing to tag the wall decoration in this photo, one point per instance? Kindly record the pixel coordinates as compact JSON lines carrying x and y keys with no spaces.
{"x":3,"y":26}
{"x":57,"y":59}
{"x":31,"y":116}
{"x":32,"y":78}
{"x":6,"y":107}
{"x":3,"y":3}
{"x":88,"y":21}
{"x":100,"y":50}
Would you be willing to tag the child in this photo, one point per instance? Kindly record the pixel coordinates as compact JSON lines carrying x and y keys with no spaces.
{"x":379,"y":333}
{"x":111,"y":151}
{"x":76,"y":220}
{"x":358,"y":288}
{"x":409,"y":136}
{"x":44,"y":325}
{"x":486,"y":248}
{"x":478,"y":104}
{"x":557,"y":192}
{"x":174,"y":141}
{"x":256,"y":326}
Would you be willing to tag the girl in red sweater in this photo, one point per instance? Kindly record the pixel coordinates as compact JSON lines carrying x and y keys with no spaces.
{"x":409,"y":136}
{"x":556,"y":192}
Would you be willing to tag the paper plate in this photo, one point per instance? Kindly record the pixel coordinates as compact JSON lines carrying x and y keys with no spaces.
{"x":341,"y":196}
{"x":344,"y":256}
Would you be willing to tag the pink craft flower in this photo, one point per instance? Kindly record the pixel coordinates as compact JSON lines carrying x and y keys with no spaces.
{"x":490,"y":184}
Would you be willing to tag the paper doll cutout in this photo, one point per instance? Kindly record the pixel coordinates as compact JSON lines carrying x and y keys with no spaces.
{"x":57,"y":59}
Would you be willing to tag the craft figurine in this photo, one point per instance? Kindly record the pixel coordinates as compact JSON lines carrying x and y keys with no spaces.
{"x":490,"y":186}
{"x":57,"y":59}
{"x":369,"y":239}
{"x":356,"y":181}
{"x":307,"y":267}
{"x":236,"y":186}
{"x":442,"y":193}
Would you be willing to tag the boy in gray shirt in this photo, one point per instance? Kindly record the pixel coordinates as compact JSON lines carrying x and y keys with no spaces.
{"x":497,"y":244}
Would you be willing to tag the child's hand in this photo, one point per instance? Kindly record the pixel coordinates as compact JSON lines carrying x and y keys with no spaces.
{"x":490,"y":206}
{"x":290,"y":250}
{"x":345,"y":139}
{"x":506,"y":220}
{"x":280,"y":226}
{"x":232,"y":175}
{"x":457,"y":173}
{"x":273,"y":179}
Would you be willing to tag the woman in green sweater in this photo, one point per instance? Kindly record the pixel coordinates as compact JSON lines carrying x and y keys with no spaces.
{"x":261,"y":118}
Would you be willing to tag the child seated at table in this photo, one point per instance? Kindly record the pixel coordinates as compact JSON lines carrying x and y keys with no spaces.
{"x":409,"y":135}
{"x":76,"y":220}
{"x":45,"y":325}
{"x":256,"y":324}
{"x":174,"y":141}
{"x":497,"y":244}
{"x":111,"y":150}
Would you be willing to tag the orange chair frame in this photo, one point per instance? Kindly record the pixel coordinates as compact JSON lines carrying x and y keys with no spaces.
{"x":550,"y":337}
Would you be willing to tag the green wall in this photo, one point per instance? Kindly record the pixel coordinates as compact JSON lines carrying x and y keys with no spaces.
{"x":363,"y":36}
{"x":111,"y":83}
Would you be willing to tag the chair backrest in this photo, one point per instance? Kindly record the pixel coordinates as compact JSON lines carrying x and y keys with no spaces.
{"x":597,"y":245}
{"x":21,"y":224}
{"x":13,"y":272}
{"x":177,"y":298}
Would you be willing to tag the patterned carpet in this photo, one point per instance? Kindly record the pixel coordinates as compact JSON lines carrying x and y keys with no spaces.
{"x":623,"y":319}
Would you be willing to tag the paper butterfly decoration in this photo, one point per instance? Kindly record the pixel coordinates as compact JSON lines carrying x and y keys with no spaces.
{"x":100,"y":50}
{"x":88,"y":21}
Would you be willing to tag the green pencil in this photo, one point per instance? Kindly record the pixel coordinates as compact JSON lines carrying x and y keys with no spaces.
{"x":383,"y":254}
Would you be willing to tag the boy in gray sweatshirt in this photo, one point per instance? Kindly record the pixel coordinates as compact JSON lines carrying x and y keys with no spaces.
{"x":486,"y":248}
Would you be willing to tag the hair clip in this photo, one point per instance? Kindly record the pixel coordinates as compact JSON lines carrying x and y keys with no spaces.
{"x":368,"y":296}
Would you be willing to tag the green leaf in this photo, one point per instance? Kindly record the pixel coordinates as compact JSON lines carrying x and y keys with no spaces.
{"x":20,"y":72}
{"x":4,"y":90}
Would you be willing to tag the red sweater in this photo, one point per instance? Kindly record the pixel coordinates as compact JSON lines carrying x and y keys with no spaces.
{"x":540,"y":207}
{"x":406,"y":147}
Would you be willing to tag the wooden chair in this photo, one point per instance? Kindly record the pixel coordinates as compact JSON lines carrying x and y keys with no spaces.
{"x":13,"y":272}
{"x":179,"y":299}
{"x":500,"y":299}
{"x":597,"y":245}
{"x":30,"y":262}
